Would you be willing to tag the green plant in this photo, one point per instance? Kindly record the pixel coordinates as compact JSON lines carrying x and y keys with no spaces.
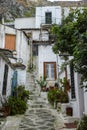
{"x":65,"y":84}
{"x":21,"y":93}
{"x":18,"y":101}
{"x":57,"y":95}
{"x":71,"y":39}
{"x":31,"y":68}
{"x":52,"y":96}
{"x":42,"y":82}
{"x":83,"y":124}
{"x":17,"y":105}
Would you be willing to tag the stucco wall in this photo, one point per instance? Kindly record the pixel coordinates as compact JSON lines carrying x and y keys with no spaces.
{"x":26,"y":23}
{"x":45,"y":55}
{"x":40,"y":35}
{"x":40,"y":14}
{"x":78,"y":103}
{"x":9,"y":79}
{"x":85,"y":102}
{"x":22,"y":49}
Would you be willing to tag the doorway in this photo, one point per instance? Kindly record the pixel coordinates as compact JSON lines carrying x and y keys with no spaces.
{"x":5,"y":80}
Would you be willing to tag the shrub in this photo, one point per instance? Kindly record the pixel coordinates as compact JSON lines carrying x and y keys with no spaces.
{"x":42,"y":82}
{"x":83,"y":124}
{"x":21,"y":92}
{"x":17,"y":106}
{"x":18,"y":102}
{"x":57,"y":95}
{"x":52,"y":96}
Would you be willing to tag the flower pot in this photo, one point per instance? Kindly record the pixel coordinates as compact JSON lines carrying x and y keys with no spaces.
{"x":43,"y":88}
{"x":6,"y":111}
{"x":51,"y":87}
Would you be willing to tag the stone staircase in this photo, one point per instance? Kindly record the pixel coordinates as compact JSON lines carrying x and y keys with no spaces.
{"x":39,"y":115}
{"x":30,"y":81}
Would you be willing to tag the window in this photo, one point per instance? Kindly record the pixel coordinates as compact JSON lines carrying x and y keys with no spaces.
{"x":73,"y":96}
{"x":10,"y":42}
{"x":48,"y":17}
{"x":50,"y":70}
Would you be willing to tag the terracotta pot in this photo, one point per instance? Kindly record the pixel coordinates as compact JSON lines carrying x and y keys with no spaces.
{"x":7,"y":110}
{"x":51,"y":87}
{"x":43,"y":89}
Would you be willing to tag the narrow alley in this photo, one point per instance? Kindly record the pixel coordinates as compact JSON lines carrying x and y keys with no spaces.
{"x":40,"y":115}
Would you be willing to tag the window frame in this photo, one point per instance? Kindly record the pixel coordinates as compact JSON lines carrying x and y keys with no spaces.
{"x":48,"y":18}
{"x":72,"y":79}
{"x":10,"y":41}
{"x":55,"y":75}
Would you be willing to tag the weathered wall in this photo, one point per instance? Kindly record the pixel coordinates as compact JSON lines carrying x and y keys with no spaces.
{"x":45,"y":54}
{"x":26,"y":23}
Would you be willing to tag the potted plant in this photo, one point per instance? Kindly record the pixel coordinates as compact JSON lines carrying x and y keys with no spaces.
{"x":43,"y":83}
{"x":5,"y":106}
{"x":65,"y":84}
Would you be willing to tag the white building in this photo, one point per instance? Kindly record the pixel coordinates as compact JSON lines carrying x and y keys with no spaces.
{"x":47,"y":63}
{"x":14,"y":54}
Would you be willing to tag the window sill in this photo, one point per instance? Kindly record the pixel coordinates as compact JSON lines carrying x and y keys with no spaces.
{"x":50,"y":79}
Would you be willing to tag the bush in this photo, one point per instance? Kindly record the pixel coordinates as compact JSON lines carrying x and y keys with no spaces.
{"x":18,"y":101}
{"x":21,"y":92}
{"x":52,"y":96}
{"x":17,"y":106}
{"x":57,"y":95}
{"x":83,"y":124}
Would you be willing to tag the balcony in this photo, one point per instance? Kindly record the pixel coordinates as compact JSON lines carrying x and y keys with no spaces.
{"x":47,"y":24}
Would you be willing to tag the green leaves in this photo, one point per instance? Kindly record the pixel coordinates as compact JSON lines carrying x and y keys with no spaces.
{"x":71,"y":38}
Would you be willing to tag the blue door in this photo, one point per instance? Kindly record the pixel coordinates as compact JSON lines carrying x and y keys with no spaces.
{"x":14,"y":81}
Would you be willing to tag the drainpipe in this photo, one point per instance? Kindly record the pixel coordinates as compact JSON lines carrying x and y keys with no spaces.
{"x":31,"y":59}
{"x":57,"y":67}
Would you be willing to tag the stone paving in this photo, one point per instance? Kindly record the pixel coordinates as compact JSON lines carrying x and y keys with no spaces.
{"x":39,"y":116}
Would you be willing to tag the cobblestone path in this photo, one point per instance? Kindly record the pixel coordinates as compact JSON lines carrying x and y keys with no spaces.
{"x":38,"y":116}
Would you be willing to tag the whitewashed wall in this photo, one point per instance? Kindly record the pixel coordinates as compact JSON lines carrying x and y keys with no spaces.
{"x":40,"y":14}
{"x":22,"y":48}
{"x":40,"y":35}
{"x":78,"y":102}
{"x":9,"y":79}
{"x":85,"y":102}
{"x":2,"y":36}
{"x":45,"y":54}
{"x":24,"y":23}
{"x":3,"y":30}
